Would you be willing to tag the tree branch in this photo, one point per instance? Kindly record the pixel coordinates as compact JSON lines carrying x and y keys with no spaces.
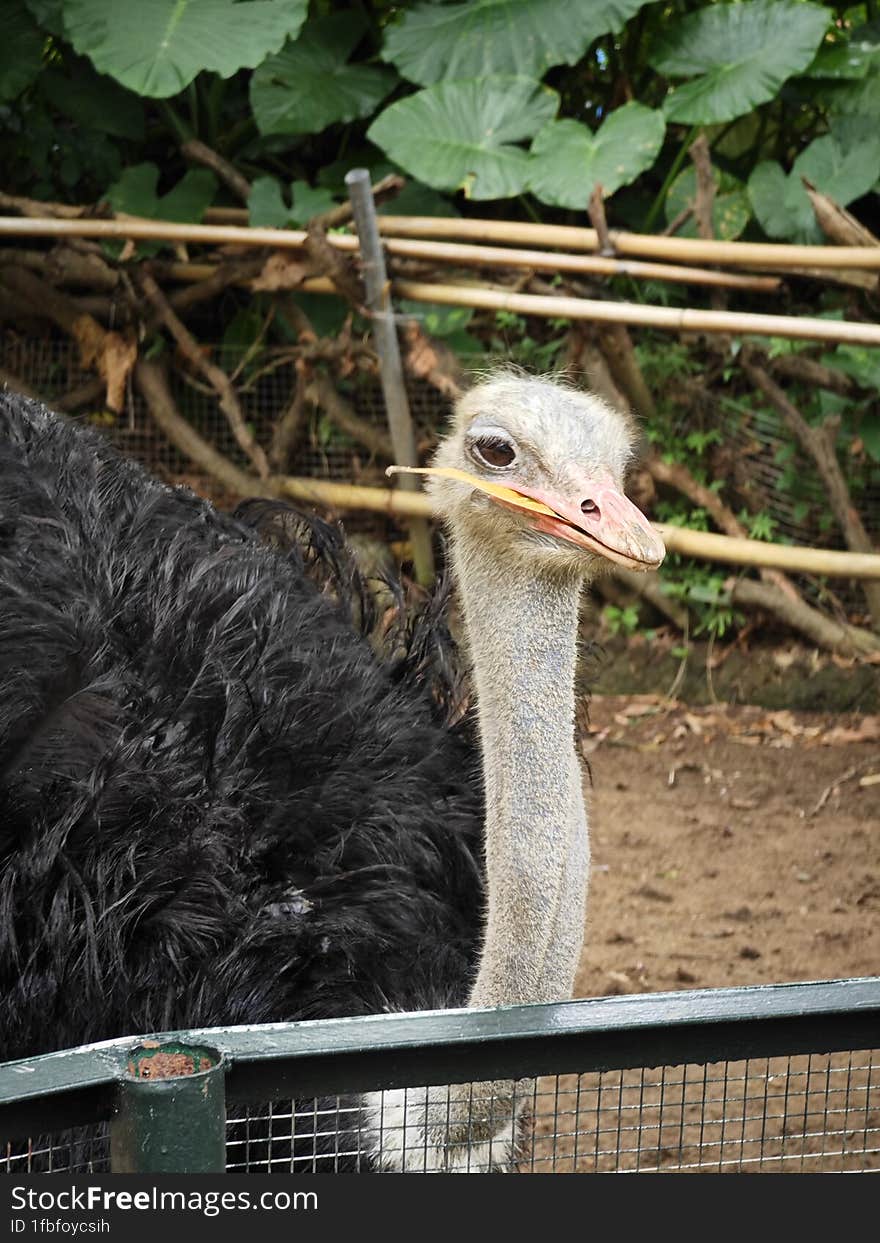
{"x":200,"y":153}
{"x":820,"y":443}
{"x":215,"y":375}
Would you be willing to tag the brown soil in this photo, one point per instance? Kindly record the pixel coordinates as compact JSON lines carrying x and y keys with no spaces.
{"x":731,"y":845}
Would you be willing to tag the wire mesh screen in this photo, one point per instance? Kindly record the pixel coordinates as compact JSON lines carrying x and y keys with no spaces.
{"x":814,"y":1112}
{"x":81,"y":1150}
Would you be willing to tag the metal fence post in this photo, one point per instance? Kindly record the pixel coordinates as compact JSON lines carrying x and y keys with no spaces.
{"x":171,"y":1116}
{"x":381,"y":309}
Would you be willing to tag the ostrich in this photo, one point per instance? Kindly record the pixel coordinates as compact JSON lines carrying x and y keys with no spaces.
{"x":219,"y":806}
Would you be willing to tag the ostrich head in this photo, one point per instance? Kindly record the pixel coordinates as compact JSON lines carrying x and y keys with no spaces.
{"x":560,"y":457}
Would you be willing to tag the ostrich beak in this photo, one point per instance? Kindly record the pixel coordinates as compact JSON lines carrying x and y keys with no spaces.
{"x":601,"y":519}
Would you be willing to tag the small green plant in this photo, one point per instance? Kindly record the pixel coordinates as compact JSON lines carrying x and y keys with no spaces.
{"x":621,"y":620}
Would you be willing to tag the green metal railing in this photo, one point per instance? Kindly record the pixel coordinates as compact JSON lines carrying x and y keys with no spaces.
{"x":783,"y":1052}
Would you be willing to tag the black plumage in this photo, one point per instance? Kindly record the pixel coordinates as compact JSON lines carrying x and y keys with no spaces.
{"x":218,"y":805}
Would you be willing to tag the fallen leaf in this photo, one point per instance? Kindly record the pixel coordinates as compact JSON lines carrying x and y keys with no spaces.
{"x":870,"y":779}
{"x":279,"y":272}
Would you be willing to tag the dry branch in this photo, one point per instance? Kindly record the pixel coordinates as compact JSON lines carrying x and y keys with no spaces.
{"x":820,"y":442}
{"x":201,"y":153}
{"x":288,"y":427}
{"x":215,"y":375}
{"x":677,"y":476}
{"x":824,"y":631}
{"x":321,"y":392}
{"x":815,"y":374}
{"x":153,"y":383}
{"x":111,"y":354}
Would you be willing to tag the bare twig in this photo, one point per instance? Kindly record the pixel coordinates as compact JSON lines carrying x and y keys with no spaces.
{"x":596,"y":212}
{"x":832,"y":635}
{"x":704,"y":201}
{"x":820,"y":443}
{"x":215,"y":375}
{"x":288,"y":426}
{"x":323,"y":393}
{"x":201,"y":153}
{"x":151,"y":379}
{"x":110,"y":353}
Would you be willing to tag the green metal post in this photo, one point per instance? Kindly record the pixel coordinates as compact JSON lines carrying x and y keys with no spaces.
{"x":171,"y":1115}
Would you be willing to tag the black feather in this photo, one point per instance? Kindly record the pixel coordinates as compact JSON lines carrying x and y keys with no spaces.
{"x":218,"y":803}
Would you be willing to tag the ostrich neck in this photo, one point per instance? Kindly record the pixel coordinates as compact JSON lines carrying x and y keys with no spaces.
{"x":522,"y":634}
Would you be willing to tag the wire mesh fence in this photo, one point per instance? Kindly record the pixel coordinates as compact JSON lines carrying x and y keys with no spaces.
{"x":767,"y":1115}
{"x":763,"y":1112}
{"x":771,"y":472}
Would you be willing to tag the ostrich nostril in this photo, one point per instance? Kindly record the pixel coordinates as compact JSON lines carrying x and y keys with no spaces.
{"x":590,"y":507}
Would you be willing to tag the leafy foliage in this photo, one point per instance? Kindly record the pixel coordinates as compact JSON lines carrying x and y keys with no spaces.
{"x":523,"y":38}
{"x":569,"y":160}
{"x":21,"y":50}
{"x":463,"y":135}
{"x":157,"y":47}
{"x":740,"y":53}
{"x":309,"y":85}
{"x":731,"y":209}
{"x":844,"y":170}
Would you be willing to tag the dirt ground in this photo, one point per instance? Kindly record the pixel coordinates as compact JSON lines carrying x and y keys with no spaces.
{"x":731,"y":845}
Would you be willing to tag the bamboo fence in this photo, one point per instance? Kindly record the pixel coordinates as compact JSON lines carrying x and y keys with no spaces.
{"x":422,"y":238}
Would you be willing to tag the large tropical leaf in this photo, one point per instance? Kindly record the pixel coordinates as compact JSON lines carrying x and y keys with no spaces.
{"x":521,"y":37}
{"x":842,"y":165}
{"x":742,"y":52}
{"x":569,"y":159}
{"x":309,"y":85}
{"x":21,"y":50}
{"x":463,"y":135}
{"x":156,"y":47}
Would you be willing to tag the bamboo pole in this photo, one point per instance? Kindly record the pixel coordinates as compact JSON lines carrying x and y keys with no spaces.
{"x":438,"y":252}
{"x":551,"y":307}
{"x":702,"y":545}
{"x":669,"y":318}
{"x":699,"y":250}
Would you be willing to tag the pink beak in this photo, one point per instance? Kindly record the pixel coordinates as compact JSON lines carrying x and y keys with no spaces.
{"x":602,"y":520}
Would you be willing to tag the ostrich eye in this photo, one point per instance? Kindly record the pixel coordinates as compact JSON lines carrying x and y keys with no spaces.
{"x":493,"y":451}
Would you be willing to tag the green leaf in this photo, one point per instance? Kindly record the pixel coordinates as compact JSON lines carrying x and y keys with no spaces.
{"x":851,"y":60}
{"x":462,"y":135}
{"x":522,"y":38}
{"x":309,"y":85}
{"x":844,"y":170}
{"x":47,"y":13}
{"x":21,"y":50}
{"x":308,"y":202}
{"x":742,"y":52}
{"x":568,"y":159}
{"x":266,"y":206}
{"x":870,"y":434}
{"x":93,"y":100}
{"x":438,"y":319}
{"x":731,"y":210}
{"x":136,"y":194}
{"x":156,"y":47}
